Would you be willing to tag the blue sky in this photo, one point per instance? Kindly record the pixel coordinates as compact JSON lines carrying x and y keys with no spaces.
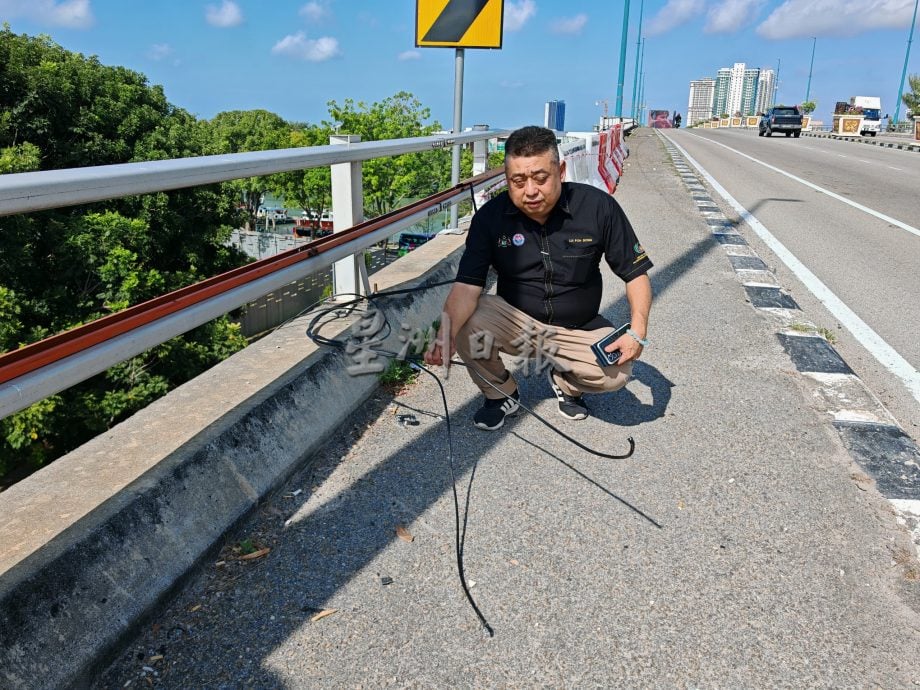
{"x":291,"y":57}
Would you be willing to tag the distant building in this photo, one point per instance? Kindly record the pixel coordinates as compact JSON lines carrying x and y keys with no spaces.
{"x":720,"y":103}
{"x":736,"y":90}
{"x":554,"y":115}
{"x":699,"y":108}
{"x":749,"y":91}
{"x":766,"y":90}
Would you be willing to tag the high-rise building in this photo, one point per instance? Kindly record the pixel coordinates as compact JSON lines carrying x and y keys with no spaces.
{"x":736,"y":88}
{"x":554,"y":115}
{"x":702,"y":93}
{"x":766,"y":87}
{"x":720,"y":104}
{"x":749,"y":85}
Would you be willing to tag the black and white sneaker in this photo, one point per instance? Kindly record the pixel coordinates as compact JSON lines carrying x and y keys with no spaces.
{"x":570,"y":406}
{"x":491,"y":416}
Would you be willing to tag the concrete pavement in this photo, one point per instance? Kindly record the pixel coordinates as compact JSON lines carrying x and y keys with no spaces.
{"x":740,"y":546}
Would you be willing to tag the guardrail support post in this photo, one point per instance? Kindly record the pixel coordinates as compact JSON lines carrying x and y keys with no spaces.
{"x":348,"y":275}
{"x":480,"y":161}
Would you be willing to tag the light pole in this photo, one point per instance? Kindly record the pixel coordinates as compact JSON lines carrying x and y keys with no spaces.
{"x":811,"y":67}
{"x":641,"y":81}
{"x":776,"y":82}
{"x":897,"y":108}
{"x":635,"y":89}
{"x":622,"y":74}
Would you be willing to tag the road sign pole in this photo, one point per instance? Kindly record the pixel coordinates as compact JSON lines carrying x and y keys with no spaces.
{"x":458,"y":123}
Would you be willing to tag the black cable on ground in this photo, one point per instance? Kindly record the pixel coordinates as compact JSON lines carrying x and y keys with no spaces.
{"x":347,"y":308}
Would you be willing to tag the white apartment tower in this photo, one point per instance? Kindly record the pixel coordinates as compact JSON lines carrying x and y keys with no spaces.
{"x":736,"y":88}
{"x":702,"y":94}
{"x":766,"y":87}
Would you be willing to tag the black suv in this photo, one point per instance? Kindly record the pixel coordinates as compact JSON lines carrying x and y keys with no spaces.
{"x":782,"y":118}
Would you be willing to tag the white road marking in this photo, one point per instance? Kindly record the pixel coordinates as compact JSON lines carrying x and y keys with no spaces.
{"x":868,"y":338}
{"x":894,"y":168}
{"x":865,"y":209}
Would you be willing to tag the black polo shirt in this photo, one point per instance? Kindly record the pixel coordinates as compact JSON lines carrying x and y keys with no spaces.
{"x":551,"y":271}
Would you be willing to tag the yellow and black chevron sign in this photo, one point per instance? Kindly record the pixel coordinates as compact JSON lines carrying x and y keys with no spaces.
{"x":458,"y":23}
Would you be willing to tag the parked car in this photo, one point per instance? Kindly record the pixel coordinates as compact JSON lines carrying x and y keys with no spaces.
{"x":782,"y":118}
{"x":410,"y":240}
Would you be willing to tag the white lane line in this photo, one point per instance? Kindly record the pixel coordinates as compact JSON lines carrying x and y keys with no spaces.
{"x":894,"y":168}
{"x":868,"y":338}
{"x":865,"y":209}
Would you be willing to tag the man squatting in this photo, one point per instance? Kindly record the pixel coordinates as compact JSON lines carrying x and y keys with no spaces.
{"x":544,"y":238}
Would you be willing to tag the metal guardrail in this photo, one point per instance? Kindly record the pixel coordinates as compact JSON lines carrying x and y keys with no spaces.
{"x":36,"y":191}
{"x":36,"y":371}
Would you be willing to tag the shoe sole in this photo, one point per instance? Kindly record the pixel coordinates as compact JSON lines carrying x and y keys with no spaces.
{"x":480,"y":425}
{"x":578,"y":417}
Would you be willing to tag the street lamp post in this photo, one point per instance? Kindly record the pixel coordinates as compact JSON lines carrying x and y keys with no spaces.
{"x":635,"y":89}
{"x":910,"y":38}
{"x":622,"y":74}
{"x":811,"y":67}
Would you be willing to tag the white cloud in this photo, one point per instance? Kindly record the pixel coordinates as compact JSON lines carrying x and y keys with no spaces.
{"x":299,"y":46}
{"x":71,"y":14}
{"x":572,"y":25}
{"x":517,"y":14}
{"x":730,"y":15}
{"x":227,"y":15}
{"x":316,"y":11}
{"x":159,"y":51}
{"x":672,"y":15}
{"x":410,"y":55}
{"x":803,"y":18}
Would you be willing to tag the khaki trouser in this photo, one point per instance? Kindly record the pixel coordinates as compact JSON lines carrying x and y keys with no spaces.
{"x":496,"y":327}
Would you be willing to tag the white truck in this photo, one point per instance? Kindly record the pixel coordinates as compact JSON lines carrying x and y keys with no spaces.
{"x":871,"y":112}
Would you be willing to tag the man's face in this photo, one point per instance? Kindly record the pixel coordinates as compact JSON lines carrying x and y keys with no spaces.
{"x":535,"y":183}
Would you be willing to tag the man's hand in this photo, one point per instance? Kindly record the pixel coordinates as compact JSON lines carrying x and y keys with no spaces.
{"x":444,"y":343}
{"x":460,"y":305}
{"x":629,"y":348}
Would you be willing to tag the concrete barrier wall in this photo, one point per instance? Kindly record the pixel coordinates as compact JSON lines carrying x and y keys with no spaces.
{"x":91,"y":544}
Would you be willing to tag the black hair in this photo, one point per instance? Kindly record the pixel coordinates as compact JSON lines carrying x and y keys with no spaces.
{"x":531,"y":141}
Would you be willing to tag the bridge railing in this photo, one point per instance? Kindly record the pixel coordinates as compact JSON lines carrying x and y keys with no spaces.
{"x":49,"y":366}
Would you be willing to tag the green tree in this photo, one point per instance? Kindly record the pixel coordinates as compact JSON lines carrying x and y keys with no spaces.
{"x":240,"y":131}
{"x":808,"y":107}
{"x":309,"y":189}
{"x":912,"y":98}
{"x":389,"y":181}
{"x":62,"y":268}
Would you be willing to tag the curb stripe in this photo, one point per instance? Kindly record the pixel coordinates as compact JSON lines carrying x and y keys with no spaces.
{"x":870,"y":433}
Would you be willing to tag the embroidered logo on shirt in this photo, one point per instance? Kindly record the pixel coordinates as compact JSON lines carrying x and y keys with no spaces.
{"x":518,"y":240}
{"x":640,"y":253}
{"x":503,"y":242}
{"x":579,"y":240}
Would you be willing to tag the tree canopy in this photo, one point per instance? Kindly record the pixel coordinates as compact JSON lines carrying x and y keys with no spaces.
{"x":66,"y":267}
{"x":388,"y":181}
{"x":912,"y":98}
{"x":62,"y":268}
